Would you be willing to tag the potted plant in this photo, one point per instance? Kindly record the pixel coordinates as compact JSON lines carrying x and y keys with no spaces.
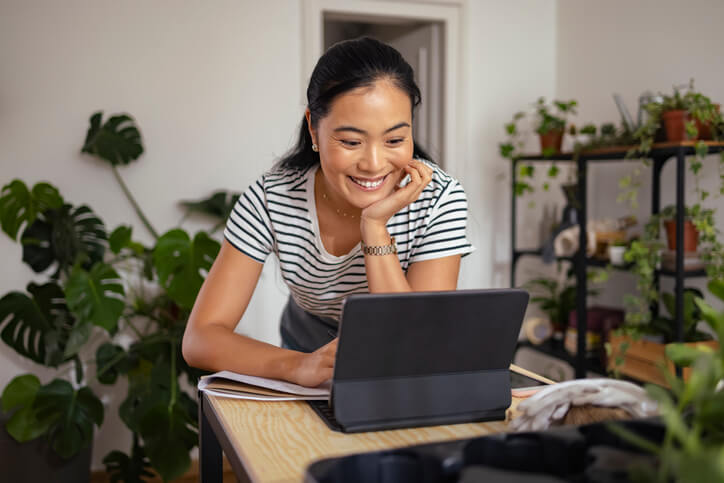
{"x":640,"y":351}
{"x":691,"y":234}
{"x":556,"y":299}
{"x":141,"y":294}
{"x":683,"y":116}
{"x":645,"y":256}
{"x":616,"y":252}
{"x":693,"y":444}
{"x":550,"y":123}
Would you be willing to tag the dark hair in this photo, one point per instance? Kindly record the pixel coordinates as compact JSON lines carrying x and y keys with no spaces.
{"x":345,"y":66}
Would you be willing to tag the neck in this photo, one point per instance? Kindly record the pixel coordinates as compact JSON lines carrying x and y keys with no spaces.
{"x":333,"y":201}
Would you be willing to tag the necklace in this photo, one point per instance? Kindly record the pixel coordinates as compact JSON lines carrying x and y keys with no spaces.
{"x":339,"y":212}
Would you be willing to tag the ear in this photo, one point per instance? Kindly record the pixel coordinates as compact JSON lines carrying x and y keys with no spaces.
{"x":308,"y":116}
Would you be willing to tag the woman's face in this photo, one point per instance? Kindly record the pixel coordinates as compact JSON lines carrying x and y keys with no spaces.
{"x":364,"y":142}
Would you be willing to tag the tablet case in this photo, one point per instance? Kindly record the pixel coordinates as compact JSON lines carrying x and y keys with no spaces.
{"x":425,"y":358}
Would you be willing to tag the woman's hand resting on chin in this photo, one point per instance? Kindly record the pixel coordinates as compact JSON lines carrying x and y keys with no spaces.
{"x":373,"y":219}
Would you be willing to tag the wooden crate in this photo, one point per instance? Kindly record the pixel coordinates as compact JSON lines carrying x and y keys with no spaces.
{"x":643,"y":359}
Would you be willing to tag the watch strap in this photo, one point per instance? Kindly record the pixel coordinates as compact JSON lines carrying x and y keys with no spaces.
{"x":379,"y":250}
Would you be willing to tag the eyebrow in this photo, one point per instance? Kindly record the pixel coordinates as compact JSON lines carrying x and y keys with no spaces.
{"x":362,"y":131}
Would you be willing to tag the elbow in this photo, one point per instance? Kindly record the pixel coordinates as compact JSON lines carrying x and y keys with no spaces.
{"x":190,"y":349}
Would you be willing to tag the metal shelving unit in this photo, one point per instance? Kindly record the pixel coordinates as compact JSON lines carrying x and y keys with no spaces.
{"x":659,"y":154}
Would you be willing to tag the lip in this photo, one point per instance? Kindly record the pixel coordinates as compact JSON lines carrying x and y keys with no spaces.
{"x":369,"y":180}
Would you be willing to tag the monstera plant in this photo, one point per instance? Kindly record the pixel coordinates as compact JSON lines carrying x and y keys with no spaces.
{"x":108,"y":307}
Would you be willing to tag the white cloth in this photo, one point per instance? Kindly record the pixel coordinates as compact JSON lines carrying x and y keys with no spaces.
{"x":552,"y":403}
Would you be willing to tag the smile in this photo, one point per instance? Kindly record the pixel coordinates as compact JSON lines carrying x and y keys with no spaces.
{"x":368,"y":184}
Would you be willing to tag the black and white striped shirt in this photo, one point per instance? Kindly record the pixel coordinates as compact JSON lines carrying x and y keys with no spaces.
{"x":278,"y":214}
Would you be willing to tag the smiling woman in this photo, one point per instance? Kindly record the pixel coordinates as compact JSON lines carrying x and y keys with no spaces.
{"x":356,"y":206}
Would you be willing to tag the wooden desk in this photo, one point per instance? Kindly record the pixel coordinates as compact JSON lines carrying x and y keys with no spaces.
{"x":276,"y":441}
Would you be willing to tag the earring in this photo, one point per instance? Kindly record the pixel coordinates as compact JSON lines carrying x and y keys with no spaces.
{"x":315,"y":148}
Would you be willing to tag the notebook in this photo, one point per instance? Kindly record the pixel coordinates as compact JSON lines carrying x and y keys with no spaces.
{"x":424,"y":358}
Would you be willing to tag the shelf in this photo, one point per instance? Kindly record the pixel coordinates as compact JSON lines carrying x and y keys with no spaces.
{"x":618,"y":153}
{"x":556,"y":349}
{"x":660,"y":154}
{"x":597,"y":262}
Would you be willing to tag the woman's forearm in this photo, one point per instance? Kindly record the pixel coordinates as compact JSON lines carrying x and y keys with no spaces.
{"x":216,"y":348}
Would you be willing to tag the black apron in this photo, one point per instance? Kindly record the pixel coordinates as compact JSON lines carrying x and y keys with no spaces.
{"x":302,"y":331}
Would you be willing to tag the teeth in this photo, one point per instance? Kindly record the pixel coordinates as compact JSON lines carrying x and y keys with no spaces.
{"x":368,"y":184}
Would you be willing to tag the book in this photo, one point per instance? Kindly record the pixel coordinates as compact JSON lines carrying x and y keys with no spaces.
{"x":240,"y":386}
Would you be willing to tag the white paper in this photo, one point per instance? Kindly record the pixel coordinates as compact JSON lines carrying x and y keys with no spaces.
{"x":262,"y":397}
{"x":294,"y":390}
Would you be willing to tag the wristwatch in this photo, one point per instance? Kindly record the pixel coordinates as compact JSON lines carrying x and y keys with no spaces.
{"x":380,"y":249}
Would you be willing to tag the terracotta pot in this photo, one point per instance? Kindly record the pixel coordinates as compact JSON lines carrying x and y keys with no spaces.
{"x":643,"y":358}
{"x":704,"y":128}
{"x":675,"y":125}
{"x":691,"y":235}
{"x":552,"y":139}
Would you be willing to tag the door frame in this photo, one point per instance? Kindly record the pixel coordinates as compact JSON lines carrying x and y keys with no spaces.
{"x":448,"y":12}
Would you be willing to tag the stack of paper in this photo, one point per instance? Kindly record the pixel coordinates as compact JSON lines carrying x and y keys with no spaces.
{"x":240,"y":386}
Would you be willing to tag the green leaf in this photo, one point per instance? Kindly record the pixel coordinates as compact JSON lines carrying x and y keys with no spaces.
{"x":66,"y":236}
{"x":24,"y":325}
{"x":716,"y":287}
{"x":553,"y":171}
{"x":218,"y":205}
{"x":521,"y":188}
{"x":182,"y":264}
{"x":20,"y":206}
{"x":24,"y":425}
{"x":683,"y":355}
{"x":118,"y":141}
{"x":119,"y":238}
{"x":97,"y":296}
{"x":548,"y":152}
{"x":78,"y":336}
{"x":701,"y":149}
{"x":111,"y":361}
{"x":168,"y":438}
{"x":133,"y":469}
{"x":20,"y":392}
{"x":71,"y":413}
{"x":506,"y":150}
{"x":527,"y":170}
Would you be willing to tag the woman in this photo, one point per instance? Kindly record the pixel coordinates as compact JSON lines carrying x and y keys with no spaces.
{"x":355,"y":207}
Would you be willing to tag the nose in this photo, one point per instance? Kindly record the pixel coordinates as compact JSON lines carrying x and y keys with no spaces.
{"x":372,"y":159}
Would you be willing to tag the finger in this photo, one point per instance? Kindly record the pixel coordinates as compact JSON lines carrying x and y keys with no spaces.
{"x":417,"y":184}
{"x":414,"y":173}
{"x":424,"y":170}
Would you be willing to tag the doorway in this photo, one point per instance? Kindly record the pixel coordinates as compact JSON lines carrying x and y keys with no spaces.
{"x":420,"y":43}
{"x":428,"y":33}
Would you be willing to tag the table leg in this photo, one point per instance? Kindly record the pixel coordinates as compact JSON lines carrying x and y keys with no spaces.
{"x":210,"y":467}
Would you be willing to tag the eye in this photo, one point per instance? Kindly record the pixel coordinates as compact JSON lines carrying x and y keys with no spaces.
{"x":349,"y":142}
{"x":395,"y":141}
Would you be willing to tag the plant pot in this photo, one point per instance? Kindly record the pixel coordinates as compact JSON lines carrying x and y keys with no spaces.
{"x":36,"y":461}
{"x":691,"y":235}
{"x":704,"y":128}
{"x":552,"y":140}
{"x":642,"y":359}
{"x":615,"y":255}
{"x":675,"y":125}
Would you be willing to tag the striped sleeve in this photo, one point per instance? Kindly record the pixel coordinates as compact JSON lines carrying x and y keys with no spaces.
{"x":249,"y":227}
{"x":444,"y":233}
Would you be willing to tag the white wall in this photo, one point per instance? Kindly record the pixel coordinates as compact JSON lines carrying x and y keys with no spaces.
{"x":511,"y":62}
{"x":629,"y":47}
{"x":215,"y":88}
